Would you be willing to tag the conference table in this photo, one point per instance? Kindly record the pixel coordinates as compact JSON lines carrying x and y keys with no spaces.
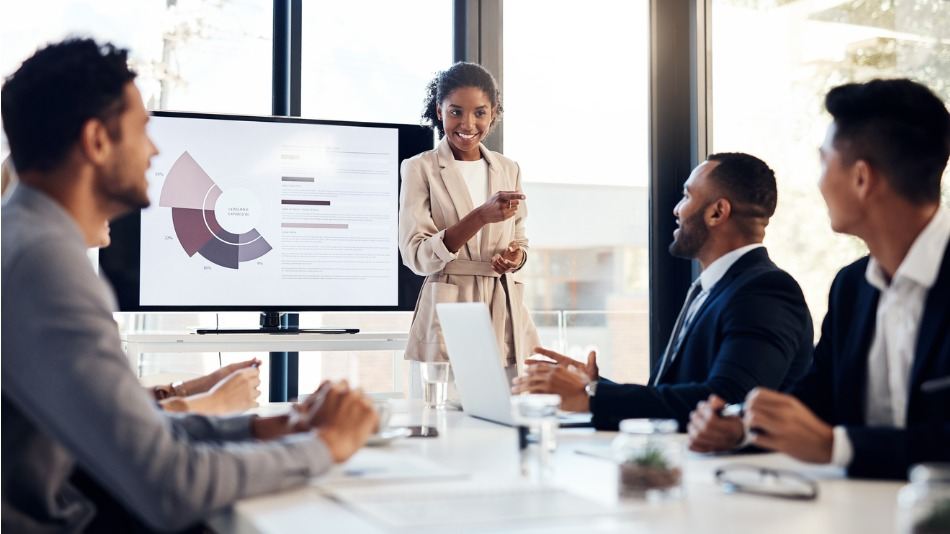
{"x":468,"y":479}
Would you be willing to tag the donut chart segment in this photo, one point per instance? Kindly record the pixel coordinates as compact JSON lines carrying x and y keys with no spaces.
{"x":192,"y":195}
{"x":186,"y":184}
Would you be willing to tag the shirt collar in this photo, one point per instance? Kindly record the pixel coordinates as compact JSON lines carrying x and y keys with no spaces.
{"x":717,"y":269}
{"x":922,"y":262}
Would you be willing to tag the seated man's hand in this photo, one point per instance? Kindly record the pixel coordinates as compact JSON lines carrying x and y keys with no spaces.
{"x":566,"y":361}
{"x":304,"y":416}
{"x":237,"y":392}
{"x":568,"y":382}
{"x":782,"y":423}
{"x":311,"y":412}
{"x":710,"y":432}
{"x":208,"y":381}
{"x":349,"y":419}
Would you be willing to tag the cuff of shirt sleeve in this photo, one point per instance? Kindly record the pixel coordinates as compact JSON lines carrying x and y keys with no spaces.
{"x":841,"y":449}
{"x":524,"y":259}
{"x":318,"y":455}
{"x":236,"y":427}
{"x":438,"y":247}
{"x":746,"y":438}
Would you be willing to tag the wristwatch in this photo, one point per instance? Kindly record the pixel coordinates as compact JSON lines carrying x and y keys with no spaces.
{"x":591,"y":388}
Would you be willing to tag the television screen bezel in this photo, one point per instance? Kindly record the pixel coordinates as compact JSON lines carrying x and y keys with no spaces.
{"x":120,"y":262}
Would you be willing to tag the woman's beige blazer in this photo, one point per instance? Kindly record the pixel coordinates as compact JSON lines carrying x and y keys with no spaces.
{"x":434,"y":197}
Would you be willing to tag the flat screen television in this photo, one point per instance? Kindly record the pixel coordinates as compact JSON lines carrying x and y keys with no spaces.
{"x":267,"y":214}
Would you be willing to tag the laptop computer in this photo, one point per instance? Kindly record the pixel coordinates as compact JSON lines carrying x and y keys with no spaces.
{"x":479,"y":376}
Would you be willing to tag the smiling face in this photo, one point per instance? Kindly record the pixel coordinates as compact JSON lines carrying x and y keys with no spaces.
{"x":466,"y":115}
{"x":690,"y":212}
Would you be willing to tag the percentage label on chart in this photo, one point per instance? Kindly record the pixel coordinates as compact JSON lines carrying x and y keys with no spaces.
{"x":207,"y":267}
{"x":169,"y":238}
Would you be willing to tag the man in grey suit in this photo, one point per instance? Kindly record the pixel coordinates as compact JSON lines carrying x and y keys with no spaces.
{"x":76,"y":127}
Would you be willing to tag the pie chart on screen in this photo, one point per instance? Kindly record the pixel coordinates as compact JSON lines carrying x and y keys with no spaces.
{"x":218,"y":225}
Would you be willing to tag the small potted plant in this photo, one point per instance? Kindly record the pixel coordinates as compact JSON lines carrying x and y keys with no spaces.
{"x":648,"y":459}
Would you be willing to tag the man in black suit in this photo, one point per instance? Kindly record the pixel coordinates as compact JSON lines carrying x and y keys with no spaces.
{"x":744,"y":322}
{"x":877,"y":398}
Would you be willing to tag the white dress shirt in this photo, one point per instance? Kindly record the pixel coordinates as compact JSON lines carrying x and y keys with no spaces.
{"x":475,"y":174}
{"x":897,"y":324}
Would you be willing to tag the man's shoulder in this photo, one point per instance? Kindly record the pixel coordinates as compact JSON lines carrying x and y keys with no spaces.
{"x":851,"y":277}
{"x":27,"y":233}
{"x":763,"y":275}
{"x":40,"y":258}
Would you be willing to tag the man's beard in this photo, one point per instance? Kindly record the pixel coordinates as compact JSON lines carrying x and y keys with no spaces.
{"x":691,"y":237}
{"x":121,"y":195}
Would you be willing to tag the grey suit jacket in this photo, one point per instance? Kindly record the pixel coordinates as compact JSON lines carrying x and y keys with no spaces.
{"x":70,"y":399}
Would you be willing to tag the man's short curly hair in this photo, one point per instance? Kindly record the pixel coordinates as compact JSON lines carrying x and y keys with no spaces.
{"x":55,"y":92}
{"x":748,"y":183}
{"x":457,"y":76}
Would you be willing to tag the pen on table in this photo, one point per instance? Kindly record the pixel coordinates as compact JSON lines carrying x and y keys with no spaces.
{"x":732,"y":410}
{"x":738,"y":410}
{"x":930,"y":386}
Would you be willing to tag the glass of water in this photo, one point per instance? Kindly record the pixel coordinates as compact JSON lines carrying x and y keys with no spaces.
{"x":435,"y":383}
{"x":536,"y":417}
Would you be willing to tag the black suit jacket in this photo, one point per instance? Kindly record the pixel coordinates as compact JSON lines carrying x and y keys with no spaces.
{"x":835,"y":386}
{"x":754,"y":329}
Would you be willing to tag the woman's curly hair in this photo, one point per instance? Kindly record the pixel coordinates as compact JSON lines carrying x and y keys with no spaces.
{"x":462,"y":74}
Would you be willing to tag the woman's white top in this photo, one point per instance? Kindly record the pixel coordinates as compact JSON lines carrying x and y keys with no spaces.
{"x":475,"y":174}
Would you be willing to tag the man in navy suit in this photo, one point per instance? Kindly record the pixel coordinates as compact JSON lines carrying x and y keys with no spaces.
{"x":744,"y":323}
{"x":877,"y":399}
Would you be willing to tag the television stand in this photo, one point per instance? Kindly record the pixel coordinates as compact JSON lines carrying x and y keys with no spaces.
{"x":277,"y":331}
{"x":277,"y":323}
{"x":283,"y":368}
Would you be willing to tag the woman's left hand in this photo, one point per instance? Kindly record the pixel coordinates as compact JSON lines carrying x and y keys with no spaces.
{"x":509,"y":260}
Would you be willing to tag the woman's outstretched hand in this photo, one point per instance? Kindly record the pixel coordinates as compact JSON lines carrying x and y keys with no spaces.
{"x":500,"y":207}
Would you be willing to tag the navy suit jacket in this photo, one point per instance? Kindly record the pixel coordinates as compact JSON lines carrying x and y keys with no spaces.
{"x":754,"y":329}
{"x":835,"y":386}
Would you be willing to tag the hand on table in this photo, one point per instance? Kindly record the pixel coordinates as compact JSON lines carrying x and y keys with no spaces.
{"x":206,"y":382}
{"x":782,"y":423}
{"x":591,"y":370}
{"x":348,"y":419}
{"x":711,"y":432}
{"x":569,"y":380}
{"x":237,"y":392}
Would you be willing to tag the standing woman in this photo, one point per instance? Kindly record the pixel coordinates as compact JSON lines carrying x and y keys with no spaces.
{"x":462,"y":219}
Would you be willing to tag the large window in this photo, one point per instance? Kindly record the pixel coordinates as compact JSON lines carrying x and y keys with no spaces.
{"x":195,"y":55}
{"x":773,"y":62}
{"x":370,"y":60}
{"x":576,"y":80}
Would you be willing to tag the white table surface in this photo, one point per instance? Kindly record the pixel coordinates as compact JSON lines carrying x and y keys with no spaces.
{"x":488,"y":453}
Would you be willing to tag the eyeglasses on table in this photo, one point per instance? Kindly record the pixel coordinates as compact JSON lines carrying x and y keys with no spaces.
{"x":765,"y":481}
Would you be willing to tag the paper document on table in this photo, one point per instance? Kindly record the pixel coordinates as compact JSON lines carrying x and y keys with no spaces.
{"x":375,"y":466}
{"x":468,"y":506}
